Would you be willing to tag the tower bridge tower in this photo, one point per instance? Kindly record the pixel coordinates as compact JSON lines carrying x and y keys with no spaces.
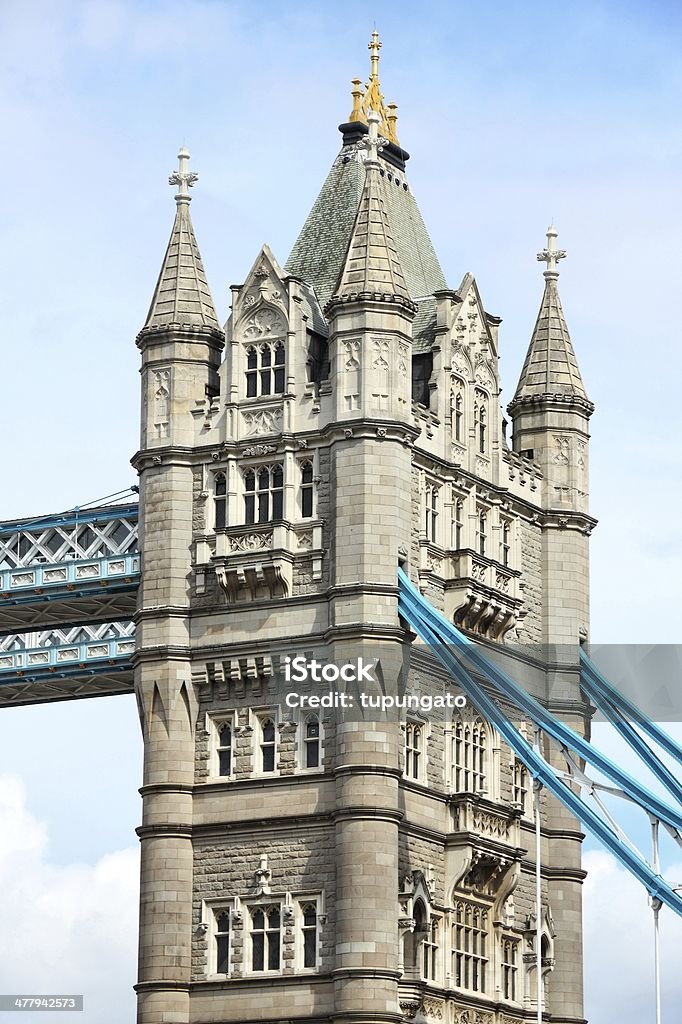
{"x":298,"y":864}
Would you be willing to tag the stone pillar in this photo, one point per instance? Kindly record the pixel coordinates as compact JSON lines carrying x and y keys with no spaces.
{"x":168,"y":717}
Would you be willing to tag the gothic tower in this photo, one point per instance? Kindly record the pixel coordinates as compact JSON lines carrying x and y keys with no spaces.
{"x":300,"y":861}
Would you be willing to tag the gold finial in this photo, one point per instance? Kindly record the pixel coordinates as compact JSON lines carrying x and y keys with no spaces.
{"x":372,"y":98}
{"x":356,"y":93}
{"x":374,"y":46}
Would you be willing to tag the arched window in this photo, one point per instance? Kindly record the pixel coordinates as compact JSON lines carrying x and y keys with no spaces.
{"x":430,"y":950}
{"x":481,"y":421}
{"x":431,"y":517}
{"x":266,"y":938}
{"x":506,"y":541}
{"x":263,"y":494}
{"x":469,"y":756}
{"x":311,"y":742}
{"x":414,"y":749}
{"x":251,"y":373}
{"x":225,"y":749}
{"x":265,"y":369}
{"x":510,"y":967}
{"x":220,"y":501}
{"x":459,"y":414}
{"x":457,"y":523}
{"x":307,"y":490}
{"x":520,"y":787}
{"x":268,"y":744}
{"x":469,"y":949}
{"x":222,"y":942}
{"x":309,"y":934}
{"x":482,"y":531}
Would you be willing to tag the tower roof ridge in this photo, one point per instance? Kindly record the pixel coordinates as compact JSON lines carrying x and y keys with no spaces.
{"x":182,"y":295}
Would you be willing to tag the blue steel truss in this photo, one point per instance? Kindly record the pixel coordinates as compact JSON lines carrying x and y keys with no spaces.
{"x":68,"y":591}
{"x":444,"y":640}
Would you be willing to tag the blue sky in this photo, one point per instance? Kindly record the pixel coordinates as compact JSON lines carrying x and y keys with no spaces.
{"x":514,"y":113}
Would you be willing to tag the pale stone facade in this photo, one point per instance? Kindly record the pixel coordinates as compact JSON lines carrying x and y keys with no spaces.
{"x":318,"y":867}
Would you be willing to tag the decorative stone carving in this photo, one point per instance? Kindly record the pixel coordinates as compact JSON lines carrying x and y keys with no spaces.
{"x":263,"y":876}
{"x":563,"y":447}
{"x":460,"y":358}
{"x":251,"y":541}
{"x":352,"y":348}
{"x":263,"y":421}
{"x":490,"y":824}
{"x":264,"y":322}
{"x":259,"y":449}
{"x":434,"y":1009}
{"x":162,"y":385}
{"x":478,"y":571}
{"x":434,"y":563}
{"x":483,"y":374}
{"x":469,"y":1016}
{"x":403,"y":355}
{"x":410,"y":1008}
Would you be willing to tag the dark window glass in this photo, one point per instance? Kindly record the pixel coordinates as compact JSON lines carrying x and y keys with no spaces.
{"x":310,"y":935}
{"x":223,"y":943}
{"x":249,"y":497}
{"x":312,"y":743}
{"x":422,"y":366}
{"x":268,"y":745}
{"x":220,"y":501}
{"x":225,"y":750}
{"x":273,"y":940}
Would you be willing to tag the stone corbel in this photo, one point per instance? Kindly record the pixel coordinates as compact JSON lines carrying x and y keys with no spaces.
{"x":263,"y":877}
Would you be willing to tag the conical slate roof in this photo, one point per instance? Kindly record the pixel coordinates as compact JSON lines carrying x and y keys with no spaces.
{"x":182,"y":296}
{"x":319,"y":252}
{"x":372,"y":267}
{"x":551,"y":367}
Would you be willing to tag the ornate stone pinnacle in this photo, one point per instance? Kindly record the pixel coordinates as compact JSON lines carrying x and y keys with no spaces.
{"x":183,"y":178}
{"x":551,"y":255}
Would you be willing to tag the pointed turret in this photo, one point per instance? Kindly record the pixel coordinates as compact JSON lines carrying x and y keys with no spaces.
{"x":181,"y":342}
{"x":550,"y":414}
{"x":182,"y":295}
{"x":550,"y":367}
{"x":372,"y":269}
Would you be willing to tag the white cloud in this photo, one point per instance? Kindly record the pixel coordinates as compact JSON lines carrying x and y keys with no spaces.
{"x":65,"y":928}
{"x":619,"y":972}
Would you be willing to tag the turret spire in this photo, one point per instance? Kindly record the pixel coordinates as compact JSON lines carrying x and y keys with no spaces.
{"x":372,"y":267}
{"x":550,"y":369}
{"x":182,"y":296}
{"x":372,"y":98}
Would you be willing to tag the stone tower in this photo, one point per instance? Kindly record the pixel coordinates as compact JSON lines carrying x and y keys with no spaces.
{"x":299,"y":862}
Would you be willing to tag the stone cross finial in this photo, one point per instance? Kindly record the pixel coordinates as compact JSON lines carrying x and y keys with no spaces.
{"x":551,"y":255}
{"x":183,"y":178}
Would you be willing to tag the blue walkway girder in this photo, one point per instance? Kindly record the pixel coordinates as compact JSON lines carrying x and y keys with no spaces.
{"x":68,"y":593}
{"x":65,"y":671}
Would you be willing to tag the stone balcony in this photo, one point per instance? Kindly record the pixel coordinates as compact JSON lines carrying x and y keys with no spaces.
{"x":480,"y":595}
{"x":258,"y":560}
{"x":484,"y":845}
